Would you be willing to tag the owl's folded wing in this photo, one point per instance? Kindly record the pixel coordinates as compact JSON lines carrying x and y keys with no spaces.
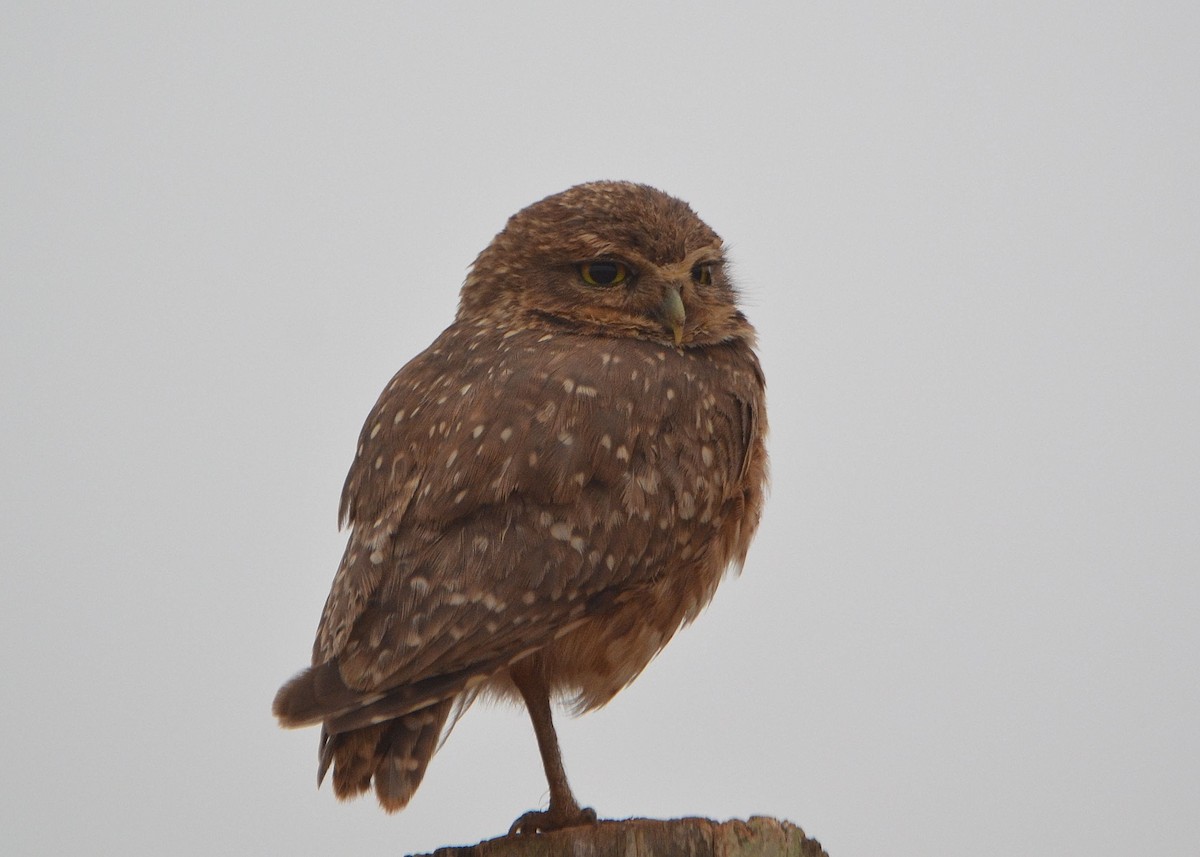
{"x":486,"y":519}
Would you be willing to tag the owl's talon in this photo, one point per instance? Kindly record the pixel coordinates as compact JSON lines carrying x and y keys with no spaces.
{"x":537,"y":821}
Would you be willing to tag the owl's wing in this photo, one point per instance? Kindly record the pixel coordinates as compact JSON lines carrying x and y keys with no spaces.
{"x":488,"y":512}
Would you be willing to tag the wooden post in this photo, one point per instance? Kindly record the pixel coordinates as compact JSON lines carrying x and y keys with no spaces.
{"x":644,"y":837}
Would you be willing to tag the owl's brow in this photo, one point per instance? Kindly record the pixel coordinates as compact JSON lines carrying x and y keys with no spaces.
{"x":712,"y":255}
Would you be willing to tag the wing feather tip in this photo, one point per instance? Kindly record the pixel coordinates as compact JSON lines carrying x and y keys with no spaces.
{"x":295,"y":704}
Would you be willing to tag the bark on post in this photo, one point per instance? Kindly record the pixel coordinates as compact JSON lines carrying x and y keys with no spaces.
{"x":643,"y":837}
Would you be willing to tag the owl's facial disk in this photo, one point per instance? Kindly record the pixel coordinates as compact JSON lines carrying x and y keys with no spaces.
{"x":688,"y":302}
{"x":669,"y":312}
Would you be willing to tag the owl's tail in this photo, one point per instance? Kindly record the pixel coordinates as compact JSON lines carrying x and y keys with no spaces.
{"x":393,"y":754}
{"x":385,"y":736}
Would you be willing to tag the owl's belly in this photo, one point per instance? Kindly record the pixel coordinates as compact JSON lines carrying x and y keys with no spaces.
{"x":590,"y":664}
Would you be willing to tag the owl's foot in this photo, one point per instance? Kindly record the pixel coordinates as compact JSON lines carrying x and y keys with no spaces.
{"x":536,"y":821}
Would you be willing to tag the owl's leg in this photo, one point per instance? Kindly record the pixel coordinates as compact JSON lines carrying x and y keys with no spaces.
{"x":564,"y":810}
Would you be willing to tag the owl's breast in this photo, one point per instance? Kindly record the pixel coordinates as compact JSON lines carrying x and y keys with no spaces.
{"x":673,"y":501}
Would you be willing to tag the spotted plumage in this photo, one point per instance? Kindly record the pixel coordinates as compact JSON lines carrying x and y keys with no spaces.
{"x":541,"y":498}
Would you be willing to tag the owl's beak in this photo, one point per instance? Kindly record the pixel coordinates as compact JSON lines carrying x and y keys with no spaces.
{"x":673,"y":313}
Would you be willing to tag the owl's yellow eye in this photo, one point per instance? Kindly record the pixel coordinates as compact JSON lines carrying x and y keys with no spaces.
{"x":702,"y":274}
{"x":603,"y":273}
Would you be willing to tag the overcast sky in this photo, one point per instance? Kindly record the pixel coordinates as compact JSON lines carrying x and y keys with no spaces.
{"x":969,"y":235}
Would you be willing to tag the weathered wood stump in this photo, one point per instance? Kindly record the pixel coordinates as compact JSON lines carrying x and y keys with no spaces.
{"x":645,"y":837}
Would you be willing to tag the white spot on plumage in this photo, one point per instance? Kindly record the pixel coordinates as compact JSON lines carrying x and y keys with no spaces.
{"x":648,"y":481}
{"x":561,"y":531}
{"x":506,"y":434}
{"x":375,"y":429}
{"x":477,"y":431}
{"x":687,"y":505}
{"x":568,"y":385}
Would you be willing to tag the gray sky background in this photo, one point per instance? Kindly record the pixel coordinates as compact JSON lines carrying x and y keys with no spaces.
{"x":969,"y":235}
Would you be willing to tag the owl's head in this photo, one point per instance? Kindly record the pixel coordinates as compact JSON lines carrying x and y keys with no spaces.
{"x":608,"y":259}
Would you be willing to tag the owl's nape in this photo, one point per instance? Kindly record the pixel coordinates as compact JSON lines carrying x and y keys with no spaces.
{"x":542,"y":497}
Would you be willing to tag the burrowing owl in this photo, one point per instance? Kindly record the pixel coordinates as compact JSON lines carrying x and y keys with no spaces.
{"x":542,"y":497}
